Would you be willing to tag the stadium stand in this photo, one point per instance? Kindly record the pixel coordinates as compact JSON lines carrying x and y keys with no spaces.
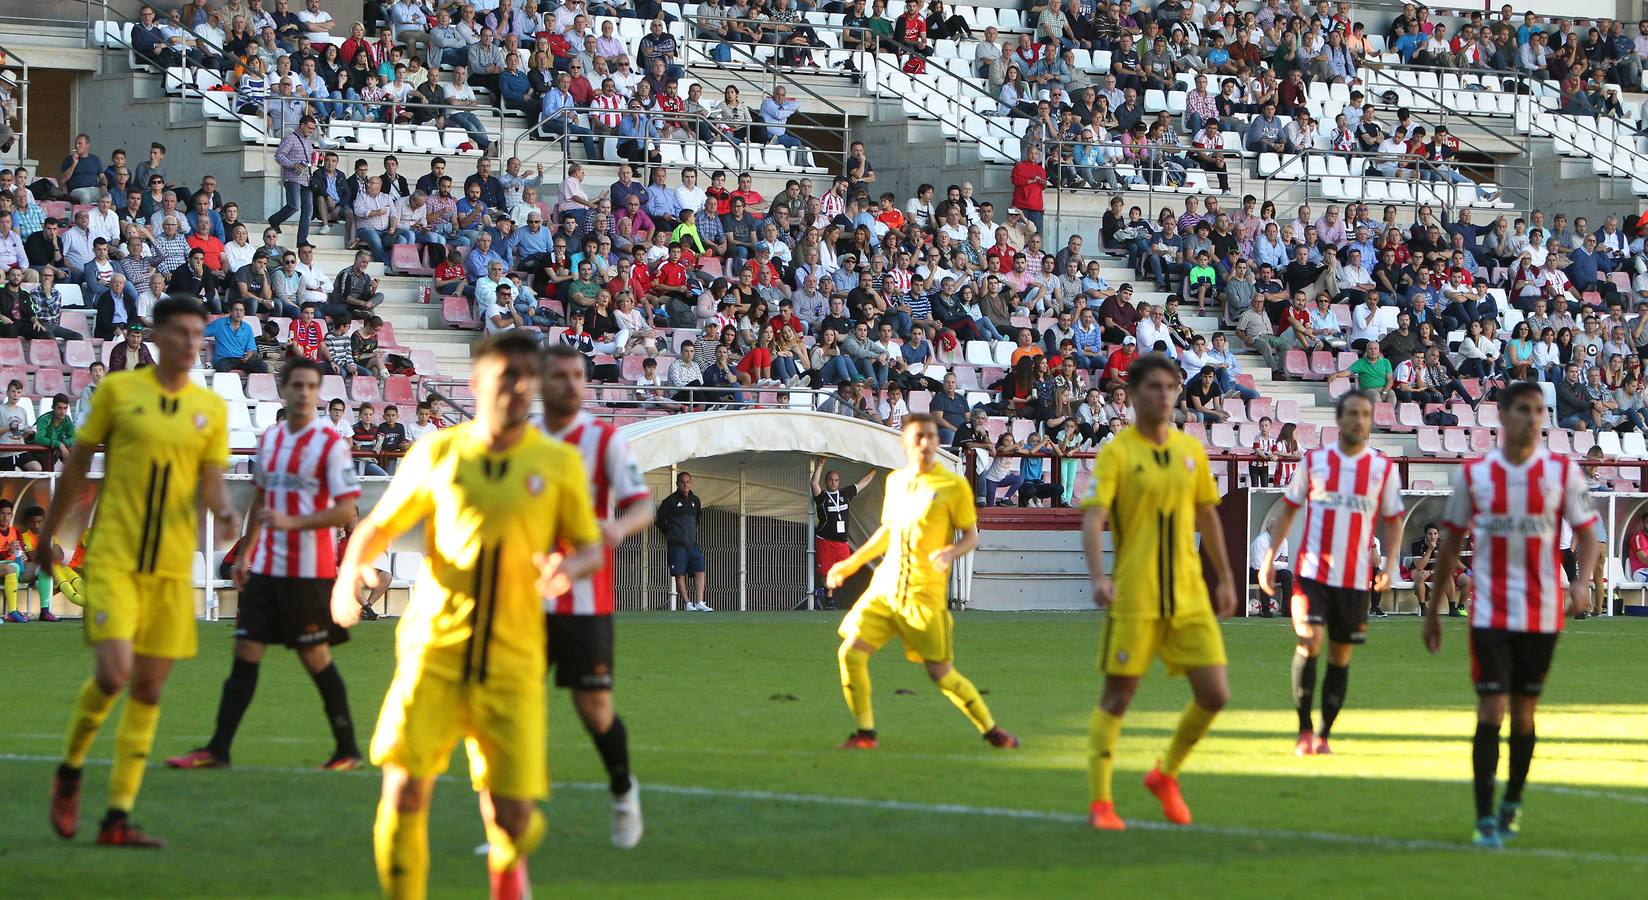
{"x":1018,"y":198}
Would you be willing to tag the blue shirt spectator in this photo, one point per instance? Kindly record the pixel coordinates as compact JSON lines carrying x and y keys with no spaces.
{"x":230,"y":342}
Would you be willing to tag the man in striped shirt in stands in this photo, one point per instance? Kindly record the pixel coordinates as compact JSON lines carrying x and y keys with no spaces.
{"x":580,"y":621}
{"x":1345,"y":491}
{"x":1513,"y":502}
{"x":305,"y":488}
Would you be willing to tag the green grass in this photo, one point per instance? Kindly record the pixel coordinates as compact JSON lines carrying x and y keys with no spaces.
{"x":733,"y":719}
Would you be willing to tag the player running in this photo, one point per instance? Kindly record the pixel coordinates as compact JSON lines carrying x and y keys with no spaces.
{"x":1153,"y":488}
{"x":924,"y":506}
{"x":494,"y":495}
{"x":306,"y":486}
{"x":830,"y":534}
{"x":1512,"y":500}
{"x":579,"y":622}
{"x":166,"y":445}
{"x":1345,"y":490}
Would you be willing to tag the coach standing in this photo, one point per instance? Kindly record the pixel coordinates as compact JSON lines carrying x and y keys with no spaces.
{"x":678,"y":518}
{"x":830,"y":534}
{"x":295,"y":156}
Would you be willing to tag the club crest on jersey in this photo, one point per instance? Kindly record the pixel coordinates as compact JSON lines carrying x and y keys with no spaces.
{"x":200,"y":421}
{"x":534,"y":484}
{"x":1189,"y":464}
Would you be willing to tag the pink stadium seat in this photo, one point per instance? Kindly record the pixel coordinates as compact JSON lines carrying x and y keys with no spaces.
{"x":1247,"y":433}
{"x":1223,"y":436}
{"x":1287,"y":410}
{"x":1296,"y":364}
{"x":1583,"y":442}
{"x":44,"y":353}
{"x":49,"y":380}
{"x":76,"y":320}
{"x":1559,"y":440}
{"x":1345,"y":359}
{"x":1482,"y":440}
{"x":1384,"y":416}
{"x":1247,"y":381}
{"x":1260,"y":407}
{"x":78,"y":379}
{"x":920,"y":401}
{"x":11,"y":352}
{"x":78,"y":354}
{"x":1196,"y":430}
{"x":331,"y":387}
{"x":1330,"y":435}
{"x":1430,"y":442}
{"x":1456,"y":441}
{"x":1487,"y":415}
{"x":397,"y":389}
{"x":1338,"y":387}
{"x":1422,"y":484}
{"x":1409,"y":417}
{"x":1308,"y":435}
{"x":455,"y":311}
{"x":1466,"y":414}
{"x":424,"y":362}
{"x":364,"y":389}
{"x":405,"y":259}
{"x":1322,"y":364}
{"x":260,"y":386}
{"x":1236,"y":409}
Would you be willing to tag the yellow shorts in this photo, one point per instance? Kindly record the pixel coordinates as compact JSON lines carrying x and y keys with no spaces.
{"x":505,"y":731}
{"x":924,"y":627}
{"x":1183,"y":644}
{"x":155,"y":612}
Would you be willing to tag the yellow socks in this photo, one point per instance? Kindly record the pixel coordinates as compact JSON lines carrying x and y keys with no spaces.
{"x":68,"y":583}
{"x":1102,"y":732}
{"x":855,"y":685}
{"x":966,"y":698}
{"x":1193,"y":723}
{"x":132,"y":741}
{"x":400,"y":844}
{"x":91,"y":707}
{"x":11,"y":591}
{"x":505,"y":852}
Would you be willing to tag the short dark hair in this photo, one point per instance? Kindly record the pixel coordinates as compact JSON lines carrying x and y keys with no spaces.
{"x":178,"y":306}
{"x":507,"y":343}
{"x":5,"y":504}
{"x":299,"y":364}
{"x":557,"y":352}
{"x":1152,"y":362}
{"x":32,"y":511}
{"x":1516,"y":390}
{"x":1344,"y":399}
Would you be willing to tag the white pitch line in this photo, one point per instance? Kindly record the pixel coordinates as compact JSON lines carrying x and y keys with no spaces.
{"x":998,"y":812}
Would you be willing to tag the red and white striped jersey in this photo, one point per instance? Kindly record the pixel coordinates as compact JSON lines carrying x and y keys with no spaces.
{"x":1515,"y":513}
{"x":301,"y":474}
{"x":1344,"y":499}
{"x":612,"y":109}
{"x":615,"y":483}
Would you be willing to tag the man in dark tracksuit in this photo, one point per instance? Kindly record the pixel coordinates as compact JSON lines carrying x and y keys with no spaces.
{"x":678,"y":518}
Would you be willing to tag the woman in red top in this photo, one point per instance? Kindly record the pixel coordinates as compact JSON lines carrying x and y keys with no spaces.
{"x":756,"y":366}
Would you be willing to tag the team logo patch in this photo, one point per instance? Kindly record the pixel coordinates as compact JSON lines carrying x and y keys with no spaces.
{"x":534,"y":484}
{"x":102,"y":618}
{"x":1189,"y":464}
{"x":200,"y":421}
{"x":1121,"y":656}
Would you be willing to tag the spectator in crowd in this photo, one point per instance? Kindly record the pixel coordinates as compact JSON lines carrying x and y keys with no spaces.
{"x":234,"y":342}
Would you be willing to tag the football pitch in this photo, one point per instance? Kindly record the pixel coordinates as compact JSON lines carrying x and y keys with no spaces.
{"x":733,"y":720}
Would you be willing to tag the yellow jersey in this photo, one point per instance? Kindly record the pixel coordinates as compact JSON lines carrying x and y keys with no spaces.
{"x":475,"y":614}
{"x":922,"y":511}
{"x":1152,"y":492}
{"x":155,"y":444}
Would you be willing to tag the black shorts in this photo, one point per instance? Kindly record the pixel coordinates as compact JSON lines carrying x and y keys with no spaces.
{"x":1511,"y":662}
{"x":295,"y":612}
{"x":580,"y":651}
{"x":1343,"y":610}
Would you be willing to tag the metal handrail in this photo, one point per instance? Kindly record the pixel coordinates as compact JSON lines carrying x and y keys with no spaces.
{"x":622,"y":396}
{"x":1407,"y":159}
{"x":544,"y":139}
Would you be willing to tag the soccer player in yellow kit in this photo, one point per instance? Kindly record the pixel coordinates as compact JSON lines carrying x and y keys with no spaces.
{"x":166,"y":446}
{"x":923,"y":507}
{"x":1153,"y":488}
{"x":495,"y":496}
